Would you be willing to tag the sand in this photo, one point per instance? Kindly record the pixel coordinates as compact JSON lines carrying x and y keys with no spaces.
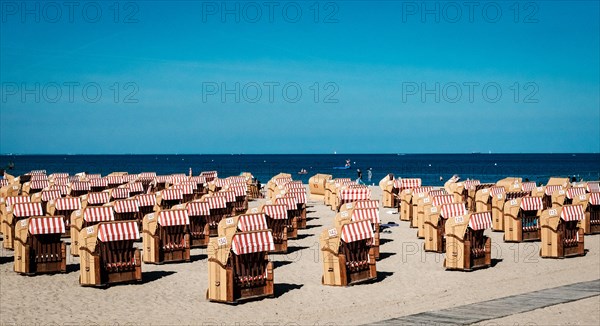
{"x":409,"y":281}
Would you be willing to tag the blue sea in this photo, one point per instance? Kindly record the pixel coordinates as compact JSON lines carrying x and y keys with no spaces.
{"x":429,"y":167}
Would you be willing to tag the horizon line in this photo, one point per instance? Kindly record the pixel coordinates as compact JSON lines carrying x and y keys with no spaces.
{"x":341,"y":154}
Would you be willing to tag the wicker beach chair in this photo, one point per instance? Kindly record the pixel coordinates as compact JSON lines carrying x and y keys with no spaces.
{"x":15,"y":212}
{"x":277,"y":222}
{"x":218,"y":211}
{"x":97,"y":185}
{"x":370,"y":214}
{"x":86,"y":217}
{"x":352,"y":194}
{"x":293,"y":214}
{"x":127,"y":210}
{"x":436,"y":198}
{"x":316,"y":185}
{"x":166,"y":237}
{"x":522,"y":219}
{"x":32,"y":187}
{"x":405,"y":187}
{"x":198,"y":214}
{"x":498,"y":204}
{"x":80,"y":188}
{"x":38,"y":246}
{"x":591,"y":206}
{"x":95,"y":199}
{"x":413,"y":208}
{"x":229,"y":197}
{"x":147,"y":203}
{"x":135,"y":188}
{"x":435,"y":239}
{"x":561,"y":233}
{"x":64,"y":206}
{"x":44,"y":197}
{"x":168,"y":198}
{"x":467,"y":248}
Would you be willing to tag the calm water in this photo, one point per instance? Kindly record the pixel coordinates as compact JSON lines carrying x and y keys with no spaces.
{"x":429,"y":167}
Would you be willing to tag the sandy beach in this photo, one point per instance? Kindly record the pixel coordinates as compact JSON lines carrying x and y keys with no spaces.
{"x":409,"y":281}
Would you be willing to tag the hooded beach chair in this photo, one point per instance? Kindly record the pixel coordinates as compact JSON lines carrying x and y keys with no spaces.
{"x":592,"y":186}
{"x":561,"y":234}
{"x":113,"y":181}
{"x":292,"y":212}
{"x":107,"y":254}
{"x":201,"y":185}
{"x":147,"y":203}
{"x":80,"y":188}
{"x":484,"y":197}
{"x":209,"y":176}
{"x":316,"y":185}
{"x":435,"y":199}
{"x":147,"y":178}
{"x":277,"y":221}
{"x":352,"y":194}
{"x":168,"y":198}
{"x":554,"y":185}
{"x":218,"y":211}
{"x":198,"y":214}
{"x":44,"y":197}
{"x":239,"y":267}
{"x":435,"y":239}
{"x":404,"y":196}
{"x":161,"y":182}
{"x":467,"y":248}
{"x":65,"y":190}
{"x":84,"y":218}
{"x":64,"y":206}
{"x":300,"y":196}
{"x":347,"y":253}
{"x":332,"y":191}
{"x":528,"y":186}
{"x":498,"y":204}
{"x":135,"y":188}
{"x":165,"y":236}
{"x":119,"y":193}
{"x":472,"y":189}
{"x":95,"y":199}
{"x":591,"y":207}
{"x":416,"y":194}
{"x":16,"y":212}
{"x":370,"y":214}
{"x":240,"y":191}
{"x":38,"y":246}
{"x":33,"y":187}
{"x":559,"y":200}
{"x":127,"y":210}
{"x":522,"y":219}
{"x":97,"y":185}
{"x":229,"y":197}
{"x":187,"y":190}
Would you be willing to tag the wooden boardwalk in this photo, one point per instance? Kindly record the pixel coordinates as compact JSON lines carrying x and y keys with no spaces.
{"x":497,"y":308}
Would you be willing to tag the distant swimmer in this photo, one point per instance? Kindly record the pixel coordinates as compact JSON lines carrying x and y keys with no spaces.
{"x":347,"y":163}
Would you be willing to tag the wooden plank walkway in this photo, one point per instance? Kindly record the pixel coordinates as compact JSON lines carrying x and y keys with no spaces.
{"x":497,"y":308}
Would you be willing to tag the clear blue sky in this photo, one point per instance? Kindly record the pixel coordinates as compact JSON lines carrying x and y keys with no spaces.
{"x":370,"y":62}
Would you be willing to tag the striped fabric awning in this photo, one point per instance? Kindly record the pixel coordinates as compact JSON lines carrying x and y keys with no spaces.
{"x":289,"y":202}
{"x":595,"y":198}
{"x":480,"y":221}
{"x":228,"y":195}
{"x":198,"y":180}
{"x":342,"y":180}
{"x":528,"y":186}
{"x":59,"y":175}
{"x":371,"y":214}
{"x":186,"y":188}
{"x":439,"y":192}
{"x":114,"y":179}
{"x":98,"y":198}
{"x":3,"y":182}
{"x":239,"y":191}
{"x":135,"y":187}
{"x":283,"y":180}
{"x":236,"y":179}
{"x":39,"y":177}
{"x":294,"y":185}
{"x":163,"y":178}
{"x":146,"y":200}
{"x":422,"y":190}
{"x":443,"y":199}
{"x":93,"y":214}
{"x":64,"y":190}
{"x":221,"y":183}
{"x":60,"y":181}
{"x":173,"y":217}
{"x":247,"y":243}
{"x":102,"y":182}
{"x":367,"y":204}
{"x":407,"y":183}
{"x":93,"y":176}
{"x":10,"y":201}
{"x":48,"y":195}
{"x":252,"y":222}
{"x":148,"y":175}
{"x":198,"y":208}
{"x":551,"y":189}
{"x":120,"y":193}
{"x":357,"y":231}
{"x":172,"y":194}
{"x":355,"y":194}
{"x":454,"y":209}
{"x":177,"y":179}
{"x":28,"y":209}
{"x":46,"y":225}
{"x":127,"y":206}
{"x":67,"y":204}
{"x":118,"y":231}
{"x":81,"y":185}
{"x":130,"y":177}
{"x":593,"y":186}
{"x":496,"y":190}
{"x":574,"y":192}
{"x":216,"y":202}
{"x":209,"y":175}
{"x":36,"y":185}
{"x":300,"y":196}
{"x":75,"y":178}
{"x":276,"y":212}
{"x":37,"y":172}
{"x":572,"y":213}
{"x":471,"y":183}
{"x":532,"y":203}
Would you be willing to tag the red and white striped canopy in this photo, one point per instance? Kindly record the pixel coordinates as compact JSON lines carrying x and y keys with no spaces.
{"x":198,"y":180}
{"x":221,"y":183}
{"x":60,"y":181}
{"x":528,"y":186}
{"x":46,"y":225}
{"x":228,"y":195}
{"x":67,"y":204}
{"x":454,"y":209}
{"x":422,"y":190}
{"x":438,"y":192}
{"x":173,"y":217}
{"x":282,"y":180}
{"x":75,"y":178}
{"x":81,"y":185}
{"x":572,"y":213}
{"x":367,"y":204}
{"x":289,"y":202}
{"x":39,"y":177}
{"x":17,"y":199}
{"x":471,"y":183}
{"x":355,"y":194}
{"x":118,"y":231}
{"x":114,"y":179}
{"x":496,"y":190}
{"x":27,"y":209}
{"x":593,"y":186}
{"x":236,"y":179}
{"x":94,"y":214}
{"x":127,"y":206}
{"x":3,"y":182}
{"x":209,"y":175}
{"x":120,"y":193}
{"x":294,"y":185}
{"x":186,"y":188}
{"x":98,"y":198}
{"x":407,"y":183}
{"x":59,"y":175}
{"x":595,"y":198}
{"x":48,"y":195}
{"x":148,"y":175}
{"x":36,"y":185}
{"x":480,"y":221}
{"x":172,"y":194}
{"x":130,"y":177}
{"x":247,"y":243}
{"x":276,"y":212}
{"x":198,"y":208}
{"x":135,"y":187}
{"x":299,"y":195}
{"x":342,"y":180}
{"x":177,"y":179}
{"x":531,"y":203}
{"x":371,"y":214}
{"x":239,"y":191}
{"x":551,"y":189}
{"x":92,"y":176}
{"x":163,"y":178}
{"x":146,"y":200}
{"x":96,"y":183}
{"x":574,"y":192}
{"x":357,"y":231}
{"x":443,"y":199}
{"x":64,"y":190}
{"x":216,"y":202}
{"x":252,"y":222}
{"x":37,"y":172}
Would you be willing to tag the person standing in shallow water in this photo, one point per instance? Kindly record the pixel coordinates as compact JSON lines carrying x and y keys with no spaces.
{"x":359,"y":179}
{"x":369,"y":174}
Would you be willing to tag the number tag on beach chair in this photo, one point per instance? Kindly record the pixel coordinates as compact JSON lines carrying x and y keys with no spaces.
{"x":485,"y":191}
{"x":500,"y":196}
{"x":15,"y":187}
{"x":344,"y":214}
{"x":426,"y":200}
{"x":561,"y":192}
{"x":458,"y":219}
{"x":540,"y":188}
{"x":229,"y":221}
{"x":23,"y":223}
{"x":407,"y":191}
{"x":151,"y":217}
{"x":332,"y":233}
{"x":552,"y":212}
{"x":222,"y":241}
{"x":349,"y":205}
{"x":89,"y":229}
{"x":513,"y":202}
{"x":434,"y":209}
{"x":421,"y":195}
{"x":254,"y":210}
{"x":582,"y":197}
{"x":78,"y":213}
